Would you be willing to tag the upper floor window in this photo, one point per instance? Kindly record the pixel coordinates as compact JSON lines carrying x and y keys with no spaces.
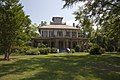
{"x":59,"y":33}
{"x":74,"y":34}
{"x":44,"y":34}
{"x":67,"y":33}
{"x":51,"y":33}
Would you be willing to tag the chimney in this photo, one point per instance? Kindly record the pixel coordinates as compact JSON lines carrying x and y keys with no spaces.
{"x":43,"y":23}
{"x":73,"y":24}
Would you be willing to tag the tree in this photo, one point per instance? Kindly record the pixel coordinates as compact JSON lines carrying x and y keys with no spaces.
{"x":32,"y":31}
{"x":12,"y":20}
{"x":104,"y":13}
{"x":85,"y":23}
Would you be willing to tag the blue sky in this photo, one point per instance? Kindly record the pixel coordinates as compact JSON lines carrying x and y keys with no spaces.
{"x":44,"y":10}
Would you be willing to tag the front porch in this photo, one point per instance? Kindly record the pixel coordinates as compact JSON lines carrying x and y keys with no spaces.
{"x":61,"y":43}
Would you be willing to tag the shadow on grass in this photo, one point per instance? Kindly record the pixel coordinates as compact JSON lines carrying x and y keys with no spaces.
{"x":66,"y":68}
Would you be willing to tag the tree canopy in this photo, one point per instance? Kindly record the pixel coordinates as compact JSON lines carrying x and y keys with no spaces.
{"x":12,"y":20}
{"x":105,"y":14}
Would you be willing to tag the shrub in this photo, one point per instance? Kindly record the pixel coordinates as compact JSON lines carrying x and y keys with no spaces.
{"x":72,"y":51}
{"x":54,"y":50}
{"x":111,"y":48}
{"x":118,"y":50}
{"x":77,"y":48}
{"x":25,"y":48}
{"x":20,"y":49}
{"x":41,"y":46}
{"x":44,"y":50}
{"x":96,"y":50}
{"x":32,"y":51}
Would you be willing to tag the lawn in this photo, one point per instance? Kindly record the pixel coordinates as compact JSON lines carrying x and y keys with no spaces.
{"x":80,"y":66}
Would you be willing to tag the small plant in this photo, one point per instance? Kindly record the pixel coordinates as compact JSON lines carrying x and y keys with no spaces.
{"x":96,"y":50}
{"x":32,"y":51}
{"x":54,"y":50}
{"x":72,"y":51}
{"x":77,"y":48}
{"x":20,"y":49}
{"x":41,"y":45}
{"x":118,"y":50}
{"x":44,"y":50}
{"x":111,"y":48}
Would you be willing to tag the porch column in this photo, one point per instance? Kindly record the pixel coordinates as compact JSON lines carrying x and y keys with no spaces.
{"x":64,"y":44}
{"x":67,"y":44}
{"x":77,"y":42}
{"x":48,"y":33}
{"x":71,"y":33}
{"x":56,"y":43}
{"x":77,"y":33}
{"x":71,"y":44}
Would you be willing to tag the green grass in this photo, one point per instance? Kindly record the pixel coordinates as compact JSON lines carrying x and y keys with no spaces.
{"x":80,"y":66}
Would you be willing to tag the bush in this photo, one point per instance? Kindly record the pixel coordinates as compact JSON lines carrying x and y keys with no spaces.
{"x":25,"y":48}
{"x":33,"y":51}
{"x":77,"y":48}
{"x":44,"y":50}
{"x":96,"y":50}
{"x":54,"y":50}
{"x":111,"y":48}
{"x":42,"y":46}
{"x":20,"y":49}
{"x":118,"y":50}
{"x":72,"y":51}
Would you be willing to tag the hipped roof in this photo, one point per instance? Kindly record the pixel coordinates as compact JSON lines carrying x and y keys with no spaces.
{"x":58,"y":27}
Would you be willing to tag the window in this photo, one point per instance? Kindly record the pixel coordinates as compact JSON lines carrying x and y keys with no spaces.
{"x":59,"y":33}
{"x":67,"y":33}
{"x":74,"y":34}
{"x":51,"y":33}
{"x":44,"y":34}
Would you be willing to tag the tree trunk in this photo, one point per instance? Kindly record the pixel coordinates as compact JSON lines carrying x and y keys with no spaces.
{"x":6,"y":56}
{"x":7,"y":53}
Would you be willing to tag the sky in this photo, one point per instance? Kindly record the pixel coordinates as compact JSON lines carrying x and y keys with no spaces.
{"x":44,"y":10}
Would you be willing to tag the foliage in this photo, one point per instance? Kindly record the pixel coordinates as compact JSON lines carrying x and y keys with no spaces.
{"x":72,"y":51}
{"x":12,"y":20}
{"x":85,"y":24}
{"x":96,"y":50}
{"x":77,"y":48}
{"x":20,"y":49}
{"x":41,"y":45}
{"x":32,"y":31}
{"x":105,"y":14}
{"x":53,"y":50}
{"x":118,"y":50}
{"x":44,"y":50}
{"x":111,"y":48}
{"x":32,"y":51}
{"x":109,"y":44}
